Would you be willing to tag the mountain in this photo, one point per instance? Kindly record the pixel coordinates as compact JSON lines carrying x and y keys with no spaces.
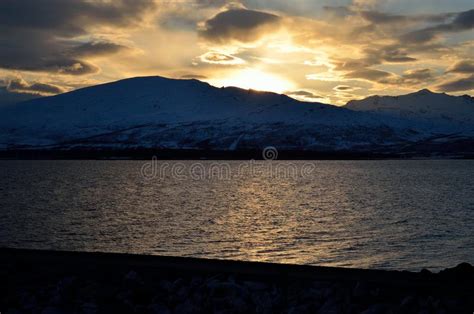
{"x":424,"y":106}
{"x":162,"y":113}
{"x":8,"y":98}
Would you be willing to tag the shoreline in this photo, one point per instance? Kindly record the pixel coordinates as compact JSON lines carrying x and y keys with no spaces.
{"x":68,"y":281}
{"x":207,"y":154}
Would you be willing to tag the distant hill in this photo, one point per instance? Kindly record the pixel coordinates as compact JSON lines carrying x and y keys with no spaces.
{"x":161,"y":113}
{"x":423,"y":105}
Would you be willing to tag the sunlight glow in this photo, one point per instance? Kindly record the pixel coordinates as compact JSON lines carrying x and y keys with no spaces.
{"x":256,"y":80}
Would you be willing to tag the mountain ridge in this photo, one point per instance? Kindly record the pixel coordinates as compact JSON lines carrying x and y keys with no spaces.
{"x":161,"y":113}
{"x":421,"y":105}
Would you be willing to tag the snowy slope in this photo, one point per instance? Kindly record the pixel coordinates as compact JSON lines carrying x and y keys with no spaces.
{"x":423,"y":105}
{"x":9,"y":98}
{"x":165,"y":113}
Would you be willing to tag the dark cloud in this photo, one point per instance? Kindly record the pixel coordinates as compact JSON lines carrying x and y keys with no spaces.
{"x":344,"y":88}
{"x":377,"y":17}
{"x":39,"y":35}
{"x":301,"y":93}
{"x":373,"y":56}
{"x":68,"y":17}
{"x":399,"y":59}
{"x":383,"y":18}
{"x":96,"y":49}
{"x":410,"y":78}
{"x":464,"y":67}
{"x":212,"y":3}
{"x":369,"y":75}
{"x":390,"y":54}
{"x":304,"y":95}
{"x":459,"y":85}
{"x":193,"y":76}
{"x":462,"y":22}
{"x":21,"y":86}
{"x":418,"y":76}
{"x":238,"y":24}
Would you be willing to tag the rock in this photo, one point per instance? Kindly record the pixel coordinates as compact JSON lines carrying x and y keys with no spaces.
{"x":226,"y":289}
{"x":141,"y":294}
{"x":65,"y":283}
{"x":133,"y":277}
{"x":377,"y":309}
{"x":256,"y":286}
{"x":52,"y":310}
{"x":89,"y":308}
{"x":165,"y":285}
{"x":320,"y":285}
{"x":187,"y":307}
{"x":361,"y":290}
{"x":266,"y":302}
{"x":177,"y":284}
{"x":312,"y":294}
{"x":408,"y":304}
{"x":159,"y":309}
{"x":28,"y":301}
{"x":183,"y":292}
{"x":331,"y":306}
{"x":196,"y":282}
{"x":300,"y":309}
{"x":328,"y":292}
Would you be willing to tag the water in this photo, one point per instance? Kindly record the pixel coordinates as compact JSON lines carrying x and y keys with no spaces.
{"x":371,"y":214}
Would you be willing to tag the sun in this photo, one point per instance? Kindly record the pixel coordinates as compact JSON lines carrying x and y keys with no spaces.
{"x":255,"y":79}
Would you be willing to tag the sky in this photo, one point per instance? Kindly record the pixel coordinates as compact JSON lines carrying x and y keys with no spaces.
{"x":322,"y":51}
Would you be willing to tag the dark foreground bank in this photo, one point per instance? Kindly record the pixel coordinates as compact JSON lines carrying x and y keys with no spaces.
{"x":66,"y":282}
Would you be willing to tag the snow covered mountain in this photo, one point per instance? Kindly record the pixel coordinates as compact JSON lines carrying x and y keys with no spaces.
{"x":9,"y":98}
{"x":424,"y":106}
{"x":161,"y":113}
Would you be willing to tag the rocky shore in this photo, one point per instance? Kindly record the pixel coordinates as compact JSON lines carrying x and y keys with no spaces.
{"x":67,"y":282}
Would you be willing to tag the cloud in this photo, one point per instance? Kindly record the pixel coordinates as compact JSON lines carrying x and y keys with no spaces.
{"x":338,"y":11}
{"x":301,"y":93}
{"x":220,"y":58}
{"x":365,"y":3}
{"x":408,"y":78}
{"x":96,"y":48}
{"x":377,"y":17}
{"x":459,"y":85}
{"x":21,"y":86}
{"x":193,"y":77}
{"x":463,"y":67}
{"x":345,"y":88}
{"x":368,"y":74}
{"x":44,"y":35}
{"x":68,"y":17}
{"x":417,"y":76}
{"x":462,"y":22}
{"x":391,"y":54}
{"x":304,"y":95}
{"x":238,"y":25}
